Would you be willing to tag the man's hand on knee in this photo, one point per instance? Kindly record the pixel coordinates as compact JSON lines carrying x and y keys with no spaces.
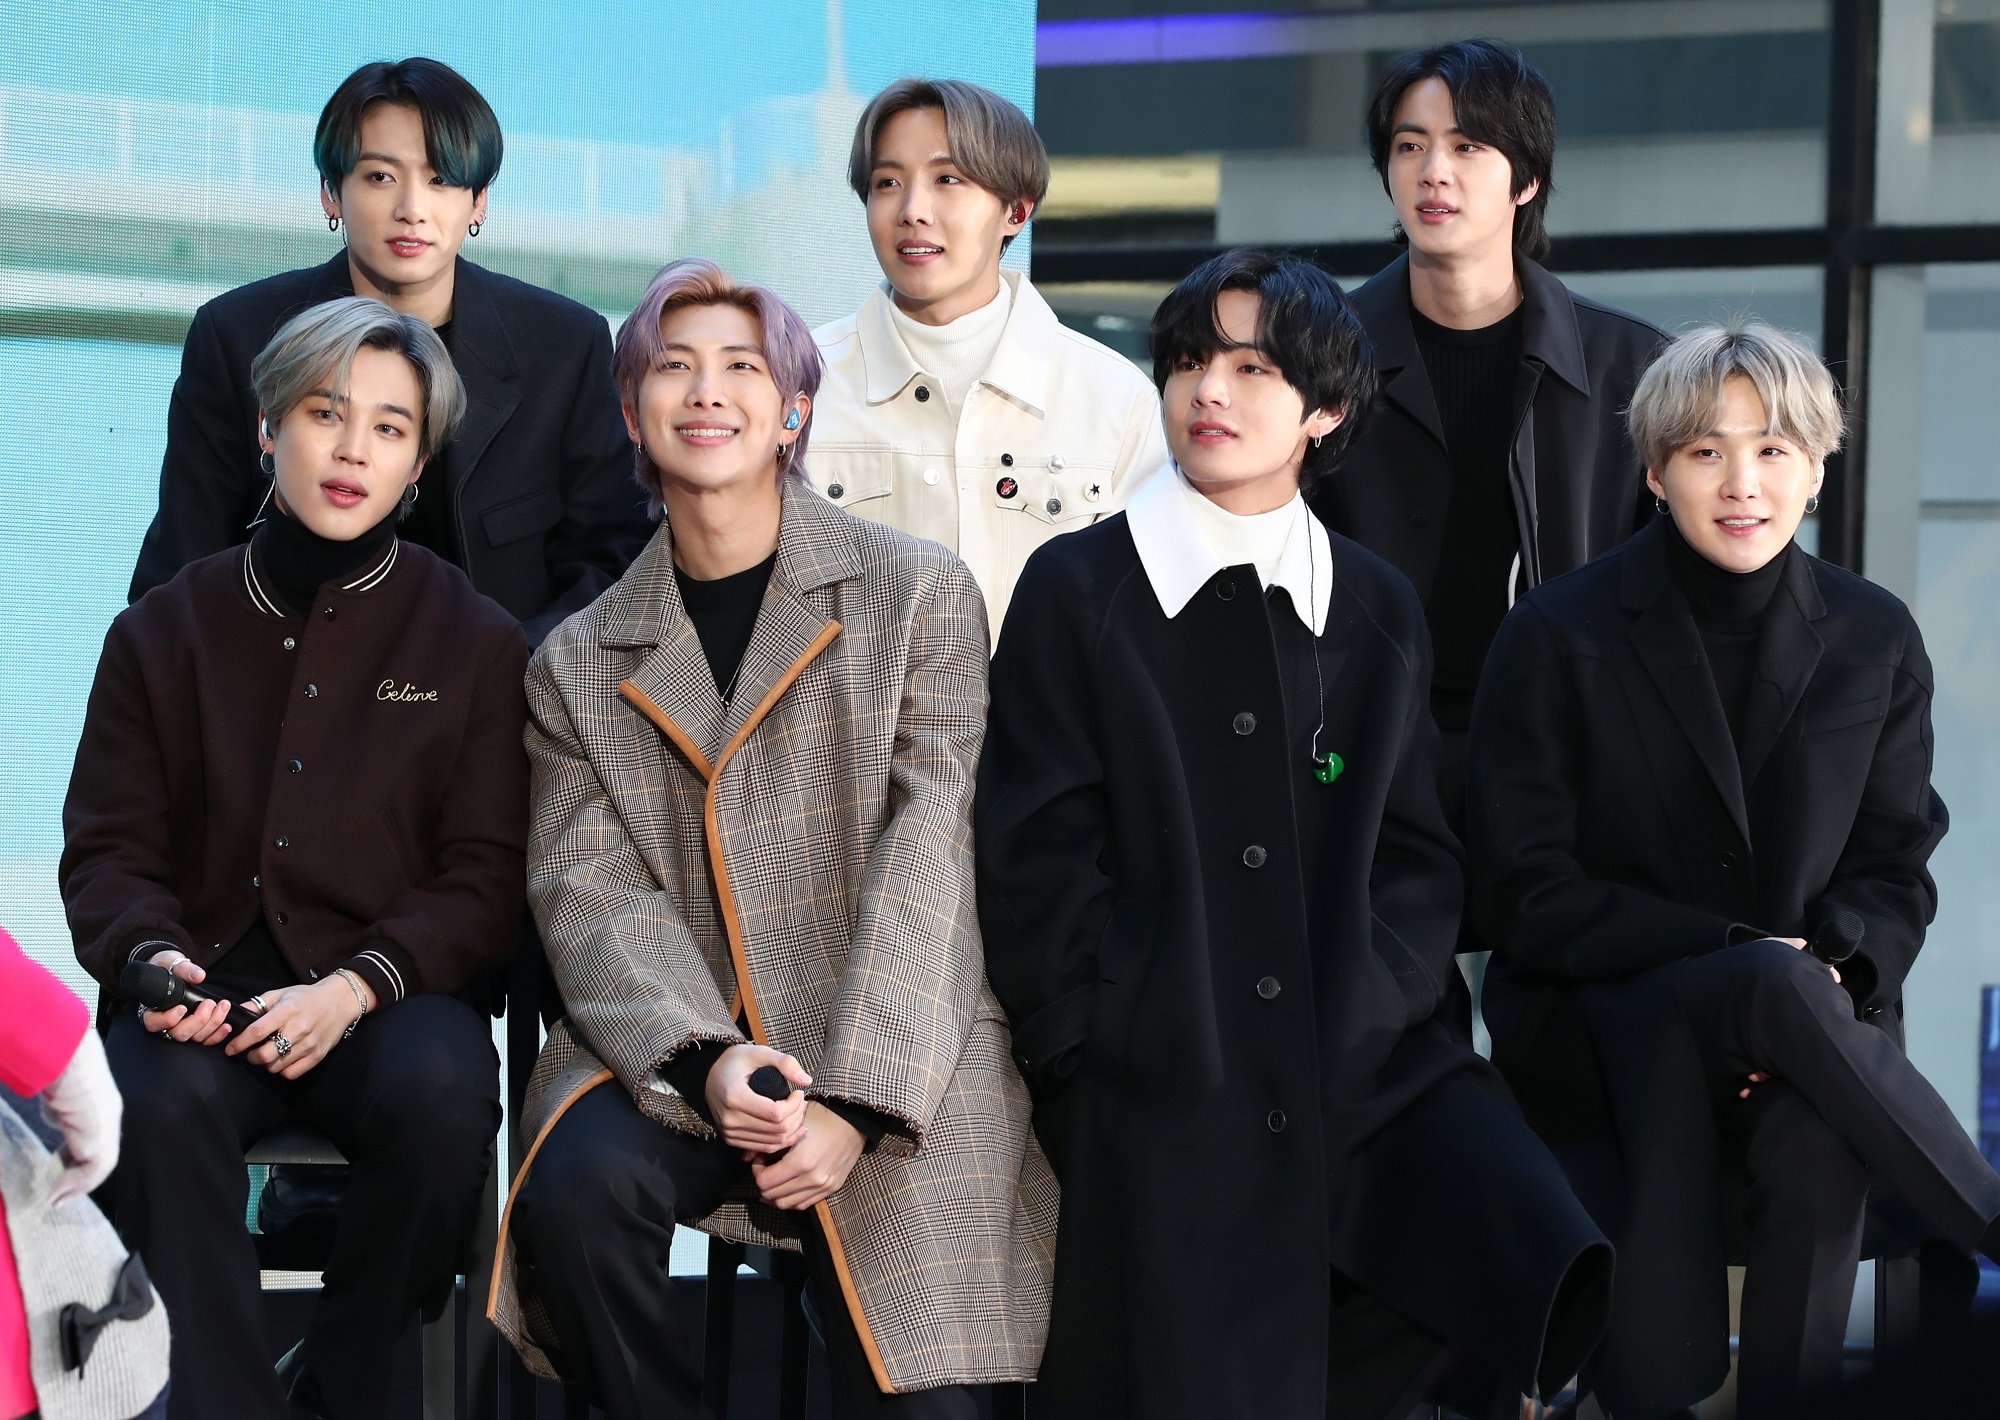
{"x":745,"y":1118}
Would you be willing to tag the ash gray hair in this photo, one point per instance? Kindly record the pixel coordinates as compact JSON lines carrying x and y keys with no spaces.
{"x":1679,"y":396}
{"x":315,"y":350}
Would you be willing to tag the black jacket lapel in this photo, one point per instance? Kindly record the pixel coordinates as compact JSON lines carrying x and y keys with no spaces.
{"x":1663,"y":633}
{"x":486,"y":363}
{"x":1787,"y":655}
{"x":1384,"y":306}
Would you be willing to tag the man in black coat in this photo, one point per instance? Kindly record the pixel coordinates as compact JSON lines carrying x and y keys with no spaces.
{"x":535,"y":498}
{"x":1219,"y":900}
{"x":1498,"y":457}
{"x":1700,"y":816}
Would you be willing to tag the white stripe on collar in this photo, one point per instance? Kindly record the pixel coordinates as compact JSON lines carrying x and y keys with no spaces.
{"x":258,"y":596}
{"x":367,"y":582}
{"x":1179,"y":559}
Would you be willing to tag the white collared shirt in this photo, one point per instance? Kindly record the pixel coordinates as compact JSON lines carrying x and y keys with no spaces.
{"x":1184,"y":539}
{"x":1051,"y":436}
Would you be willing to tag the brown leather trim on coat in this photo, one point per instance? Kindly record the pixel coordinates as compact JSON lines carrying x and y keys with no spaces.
{"x":507,"y":1213}
{"x":733,"y":929}
{"x":650,"y":708}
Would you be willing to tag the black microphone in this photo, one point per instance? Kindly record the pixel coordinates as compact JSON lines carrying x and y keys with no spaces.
{"x":158,"y":989}
{"x":770,"y":1082}
{"x":1838,"y":935}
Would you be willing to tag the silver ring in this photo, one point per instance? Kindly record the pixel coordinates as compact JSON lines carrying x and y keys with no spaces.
{"x":258,"y":1002}
{"x":284,"y":1046}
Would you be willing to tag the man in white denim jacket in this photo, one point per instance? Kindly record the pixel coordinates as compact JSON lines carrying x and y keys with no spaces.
{"x":955,"y":405}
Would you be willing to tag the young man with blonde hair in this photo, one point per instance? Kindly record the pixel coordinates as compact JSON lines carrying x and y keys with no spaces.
{"x":956,"y":406}
{"x":1700,"y":818}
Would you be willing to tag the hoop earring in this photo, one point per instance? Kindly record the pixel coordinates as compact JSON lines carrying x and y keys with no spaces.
{"x":1812,"y":503}
{"x":410,"y":497}
{"x":784,"y":454}
{"x":333,"y":224}
{"x":1316,"y":439}
{"x":472,"y":229}
{"x":1660,"y":503}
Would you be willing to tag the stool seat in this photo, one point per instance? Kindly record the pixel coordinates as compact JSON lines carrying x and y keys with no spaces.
{"x":294,"y":1143}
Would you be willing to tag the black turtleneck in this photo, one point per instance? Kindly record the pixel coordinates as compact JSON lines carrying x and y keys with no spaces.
{"x":295,"y":561}
{"x":1473,"y":374}
{"x":1729,"y":612}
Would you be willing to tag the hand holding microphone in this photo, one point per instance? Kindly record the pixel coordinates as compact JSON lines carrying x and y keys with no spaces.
{"x":179,"y":1004}
{"x":750,"y":1118}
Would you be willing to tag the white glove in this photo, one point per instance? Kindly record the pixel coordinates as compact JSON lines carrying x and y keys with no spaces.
{"x":84,"y":1104}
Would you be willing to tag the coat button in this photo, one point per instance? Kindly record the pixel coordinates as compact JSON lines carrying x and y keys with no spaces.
{"x":1729,"y":861}
{"x":1254,"y":856}
{"x":294,"y":765}
{"x":1058,"y":463}
{"x":1244,"y":724}
{"x":257,"y":881}
{"x":1225,"y":589}
{"x":282,"y":919}
{"x":281,"y":842}
{"x":931,"y":475}
{"x":834,"y":490}
{"x":1006,"y":460}
{"x":1420,"y":519}
{"x":291,"y":643}
{"x":923,"y":393}
{"x":1093,"y":491}
{"x":328,"y":612}
{"x":1054,"y":505}
{"x":312,"y":691}
{"x":1276,"y":1120}
{"x":1269,"y":988}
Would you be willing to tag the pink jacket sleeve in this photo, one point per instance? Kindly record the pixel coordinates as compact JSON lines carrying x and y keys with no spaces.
{"x":46,"y":1020}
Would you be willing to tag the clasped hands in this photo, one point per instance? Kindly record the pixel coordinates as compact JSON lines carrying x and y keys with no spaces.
{"x":311,"y":1017}
{"x":1758,"y":1077}
{"x":818,"y":1147}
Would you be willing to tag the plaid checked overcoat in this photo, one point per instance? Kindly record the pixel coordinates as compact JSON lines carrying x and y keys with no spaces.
{"x":799,"y":861}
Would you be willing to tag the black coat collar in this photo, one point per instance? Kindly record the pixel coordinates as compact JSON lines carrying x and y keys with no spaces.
{"x":1664,"y":633}
{"x":1549,"y":335}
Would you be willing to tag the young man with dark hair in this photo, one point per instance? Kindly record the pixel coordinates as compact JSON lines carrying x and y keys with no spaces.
{"x":1498,"y":457}
{"x":1219,"y":898}
{"x":956,"y":406}
{"x":534,"y":498}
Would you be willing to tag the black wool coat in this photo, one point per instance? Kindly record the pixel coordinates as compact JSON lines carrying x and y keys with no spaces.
{"x":543,"y":502}
{"x":1612,"y":834}
{"x":1223,"y":977}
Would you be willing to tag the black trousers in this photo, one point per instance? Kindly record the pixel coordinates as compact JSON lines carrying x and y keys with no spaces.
{"x":593,"y":1224}
{"x":1844,"y":1103}
{"x":412,"y":1100}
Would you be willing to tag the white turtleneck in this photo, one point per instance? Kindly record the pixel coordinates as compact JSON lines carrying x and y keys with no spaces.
{"x":957,"y":353}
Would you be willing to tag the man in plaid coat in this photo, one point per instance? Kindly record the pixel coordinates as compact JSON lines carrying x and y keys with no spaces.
{"x":751,"y":845}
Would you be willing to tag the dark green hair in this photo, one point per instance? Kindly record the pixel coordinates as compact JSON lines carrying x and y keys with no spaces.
{"x":461,"y":135}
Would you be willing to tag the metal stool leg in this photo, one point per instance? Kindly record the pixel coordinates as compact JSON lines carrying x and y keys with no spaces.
{"x":719,"y":1332}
